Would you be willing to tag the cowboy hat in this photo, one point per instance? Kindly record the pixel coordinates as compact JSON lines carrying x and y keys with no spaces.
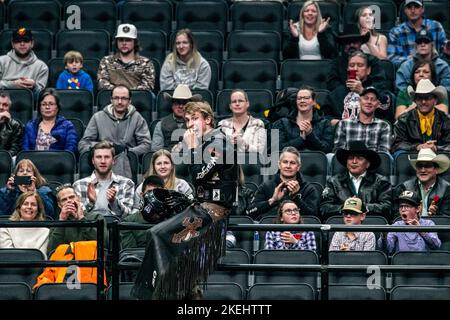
{"x":182,"y":92}
{"x":351,"y":34}
{"x":425,"y":86}
{"x":360,"y":148}
{"x":427,"y":155}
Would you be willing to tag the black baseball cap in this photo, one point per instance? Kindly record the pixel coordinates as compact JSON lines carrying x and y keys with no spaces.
{"x":410,"y":197}
{"x":371,"y":89}
{"x":22,"y":34}
{"x":424,"y":35}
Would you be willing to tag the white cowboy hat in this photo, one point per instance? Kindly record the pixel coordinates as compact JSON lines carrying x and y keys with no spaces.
{"x":427,"y":155}
{"x":182,"y":92}
{"x":425,"y":86}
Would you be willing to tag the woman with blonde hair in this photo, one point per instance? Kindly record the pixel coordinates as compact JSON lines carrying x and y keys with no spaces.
{"x":185,"y":65}
{"x":162,"y":165}
{"x":29,"y":207}
{"x":26,"y":177}
{"x":310,"y":37}
{"x":377,"y":43}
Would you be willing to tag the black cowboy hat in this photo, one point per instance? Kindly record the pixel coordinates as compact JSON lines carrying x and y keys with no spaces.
{"x":351,"y":34}
{"x":359,"y":148}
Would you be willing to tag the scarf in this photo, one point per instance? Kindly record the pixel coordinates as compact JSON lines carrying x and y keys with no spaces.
{"x":426,"y":122}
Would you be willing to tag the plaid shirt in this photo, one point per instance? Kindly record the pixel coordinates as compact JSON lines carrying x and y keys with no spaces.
{"x":307,"y":241}
{"x":123,"y":203}
{"x":402,"y":40}
{"x":364,"y":241}
{"x":376,"y":135}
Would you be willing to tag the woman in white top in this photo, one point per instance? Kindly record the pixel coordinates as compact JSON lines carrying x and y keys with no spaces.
{"x":162,"y":165}
{"x":242,"y":129}
{"x":311,"y":38}
{"x":29,"y":207}
{"x":185,"y":65}
{"x":377,"y":44}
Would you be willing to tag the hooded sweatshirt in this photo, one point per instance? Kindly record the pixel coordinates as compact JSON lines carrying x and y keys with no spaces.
{"x":131,"y":131}
{"x":12,"y":68}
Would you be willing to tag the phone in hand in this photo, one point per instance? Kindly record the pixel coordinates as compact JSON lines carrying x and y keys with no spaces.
{"x":351,"y":74}
{"x":22,"y":180}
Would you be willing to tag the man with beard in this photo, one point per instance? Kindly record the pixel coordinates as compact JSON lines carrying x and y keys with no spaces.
{"x":20,"y":68}
{"x":104,"y":190}
{"x":126,"y":67}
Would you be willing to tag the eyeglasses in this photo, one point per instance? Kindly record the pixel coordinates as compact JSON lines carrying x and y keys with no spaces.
{"x":350,"y":213}
{"x":425,"y":165}
{"x":292,"y":211}
{"x":303,"y":98}
{"x":423,"y":97}
{"x":121,"y":98}
{"x":48,"y":104}
{"x":405,"y":206}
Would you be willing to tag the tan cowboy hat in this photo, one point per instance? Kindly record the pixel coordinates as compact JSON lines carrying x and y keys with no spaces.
{"x":182,"y":92}
{"x":425,"y":86}
{"x":427,"y":155}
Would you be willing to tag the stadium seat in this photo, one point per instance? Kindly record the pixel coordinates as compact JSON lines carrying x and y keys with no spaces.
{"x":281,"y":291}
{"x":214,"y":84}
{"x":153,"y":44}
{"x":20,"y":274}
{"x":5,"y":166}
{"x":355,"y":292}
{"x":56,"y":66}
{"x":372,"y":220}
{"x":143,"y":100}
{"x":254,"y":45}
{"x":53,"y":165}
{"x":442,"y":220}
{"x":295,"y":73}
{"x":232,"y":256}
{"x":61,"y":291}
{"x":222,"y":291}
{"x":249,"y":74}
{"x":34,"y":14}
{"x":389,"y":72}
{"x":360,"y":277}
{"x":79,"y":126}
{"x":91,"y":43}
{"x":2,"y":14}
{"x":15,"y":291}
{"x":327,"y":9}
{"x":244,"y":239}
{"x":124,"y":291}
{"x":148,"y":15}
{"x":22,"y":104}
{"x":257,"y":16}
{"x":98,"y":14}
{"x":43,"y":43}
{"x":76,"y":104}
{"x":260,"y":100}
{"x":85,"y":166}
{"x":410,"y":258}
{"x":203,"y":16}
{"x":286,"y":257}
{"x":424,"y":293}
{"x":314,"y":166}
{"x":385,"y":13}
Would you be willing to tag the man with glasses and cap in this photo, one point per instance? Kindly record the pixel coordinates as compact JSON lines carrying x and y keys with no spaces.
{"x":126,"y":67}
{"x":424,"y":127}
{"x":359,"y":180}
{"x":401,"y":39}
{"x":354,"y":213}
{"x":20,"y":68}
{"x":410,"y":207}
{"x":169,"y":131}
{"x":433,"y":190}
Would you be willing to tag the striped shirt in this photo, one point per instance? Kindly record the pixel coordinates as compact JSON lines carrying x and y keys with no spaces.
{"x":307,"y":241}
{"x":123,"y":203}
{"x":376,"y":135}
{"x":401,"y":40}
{"x":364,"y":241}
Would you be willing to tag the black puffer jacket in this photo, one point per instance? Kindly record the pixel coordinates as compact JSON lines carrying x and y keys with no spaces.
{"x":11,"y":133}
{"x":375,"y":191}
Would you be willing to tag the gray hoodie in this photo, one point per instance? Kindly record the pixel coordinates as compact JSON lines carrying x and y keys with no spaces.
{"x":131,"y":131}
{"x":12,"y":68}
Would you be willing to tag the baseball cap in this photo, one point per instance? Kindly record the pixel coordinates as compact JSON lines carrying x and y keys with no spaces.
{"x":126,"y":30}
{"x":424,"y":35}
{"x":22,"y":34}
{"x":419,"y":2}
{"x":353,"y":204}
{"x":370,"y":89}
{"x":410,"y":197}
